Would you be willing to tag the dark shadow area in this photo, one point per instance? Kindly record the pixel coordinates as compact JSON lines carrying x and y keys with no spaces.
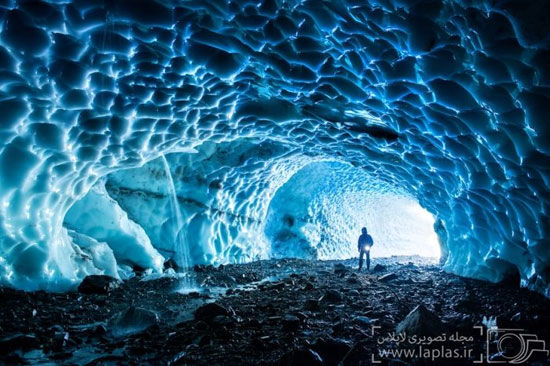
{"x":276,"y":312}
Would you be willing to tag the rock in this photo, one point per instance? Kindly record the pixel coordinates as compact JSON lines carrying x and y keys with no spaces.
{"x":200,"y":325}
{"x":511,"y":279}
{"x":100,"y":330}
{"x":339,"y":327}
{"x":466,"y":304}
{"x":397,"y":362}
{"x":379,"y":268}
{"x":203,"y":340}
{"x":364,"y":321}
{"x":178,"y":358}
{"x":301,"y":357}
{"x":209,"y":311}
{"x":421,"y":321}
{"x":340,"y":268}
{"x":202,"y":268}
{"x":60,"y":341}
{"x":226,"y":279}
{"x":171,"y":263}
{"x":333,"y":296}
{"x":359,"y":354}
{"x":59,"y":337}
{"x":132,"y":320}
{"x":138,"y":270}
{"x":55,"y":329}
{"x":353,"y":293}
{"x":290,"y":323}
{"x":516,"y":317}
{"x":18,"y":341}
{"x":222,"y":320}
{"x":408,"y":281}
{"x":331,"y":350}
{"x":61,"y":355}
{"x":223,"y":333}
{"x":387,"y":277}
{"x":311,"y":305}
{"x":98,"y":284}
{"x":13,"y":359}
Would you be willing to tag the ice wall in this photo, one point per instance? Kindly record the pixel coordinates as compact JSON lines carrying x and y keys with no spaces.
{"x":447,"y":99}
{"x":223,"y":191}
{"x":100,"y":217}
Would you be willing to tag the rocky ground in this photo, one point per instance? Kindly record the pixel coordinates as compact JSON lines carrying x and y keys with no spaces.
{"x":279,"y":312}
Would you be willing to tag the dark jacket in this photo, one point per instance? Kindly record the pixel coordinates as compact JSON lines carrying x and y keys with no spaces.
{"x":364,"y":239}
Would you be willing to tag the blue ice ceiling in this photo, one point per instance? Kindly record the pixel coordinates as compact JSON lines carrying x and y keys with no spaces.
{"x":448,"y":100}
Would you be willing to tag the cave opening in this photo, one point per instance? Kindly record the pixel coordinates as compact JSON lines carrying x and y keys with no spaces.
{"x":319,"y":212}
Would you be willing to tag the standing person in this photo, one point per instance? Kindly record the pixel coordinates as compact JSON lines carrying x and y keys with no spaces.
{"x":363,"y":245}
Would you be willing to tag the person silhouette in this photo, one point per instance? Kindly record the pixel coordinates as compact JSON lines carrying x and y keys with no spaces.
{"x":364,"y":244}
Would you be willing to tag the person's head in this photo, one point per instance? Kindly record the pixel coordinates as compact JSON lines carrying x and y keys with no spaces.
{"x":364,"y":230}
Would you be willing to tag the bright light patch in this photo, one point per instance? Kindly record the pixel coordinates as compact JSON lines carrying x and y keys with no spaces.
{"x":320,"y":211}
{"x":398,"y":225}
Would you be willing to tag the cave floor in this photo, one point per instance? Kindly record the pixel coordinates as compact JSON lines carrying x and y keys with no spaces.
{"x":286,"y":312}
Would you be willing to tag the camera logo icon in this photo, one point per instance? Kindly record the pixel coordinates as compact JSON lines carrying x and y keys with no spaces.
{"x":512,"y":346}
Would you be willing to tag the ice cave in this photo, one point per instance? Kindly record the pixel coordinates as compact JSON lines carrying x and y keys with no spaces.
{"x":147,"y":138}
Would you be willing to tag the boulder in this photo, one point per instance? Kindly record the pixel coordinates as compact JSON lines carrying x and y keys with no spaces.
{"x":353,"y":293}
{"x":360,"y":354}
{"x":364,"y":321}
{"x":132,"y":320}
{"x":138,"y":270}
{"x":18,"y":341}
{"x":99,"y":330}
{"x":311,"y":305}
{"x":209,"y":311}
{"x":331,"y":350}
{"x":340,"y":268}
{"x":397,"y":362}
{"x":379,"y":268}
{"x":222,"y":321}
{"x":98,"y":284}
{"x":290,"y":323}
{"x":387,"y":277}
{"x":59,"y":337}
{"x":171,"y":263}
{"x":517,"y":317}
{"x":421,"y":321}
{"x":333,"y":296}
{"x":301,"y":357}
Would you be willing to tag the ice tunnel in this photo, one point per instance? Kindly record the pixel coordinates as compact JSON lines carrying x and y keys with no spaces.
{"x":445,"y":103}
{"x":320,"y":210}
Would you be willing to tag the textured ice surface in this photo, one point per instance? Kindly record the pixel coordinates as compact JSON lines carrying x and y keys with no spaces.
{"x":448,"y":100}
{"x":100,"y":217}
{"x":223,"y":193}
{"x":99,"y":254}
